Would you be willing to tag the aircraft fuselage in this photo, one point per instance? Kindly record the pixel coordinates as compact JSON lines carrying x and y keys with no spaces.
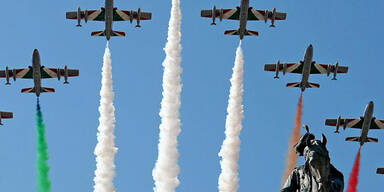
{"x":36,"y":68}
{"x":307,"y":64}
{"x":243,"y":17}
{"x":108,"y":18}
{"x":366,"y":123}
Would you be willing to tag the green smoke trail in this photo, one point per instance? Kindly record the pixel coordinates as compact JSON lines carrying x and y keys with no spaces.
{"x":43,"y":182}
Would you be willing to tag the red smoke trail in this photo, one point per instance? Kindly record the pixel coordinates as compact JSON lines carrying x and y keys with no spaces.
{"x":291,"y":157}
{"x":353,"y":177}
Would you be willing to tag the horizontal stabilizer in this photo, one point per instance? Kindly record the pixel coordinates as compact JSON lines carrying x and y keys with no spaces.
{"x":252,"y":33}
{"x":373,"y":140}
{"x":47,"y":90}
{"x":295,"y":84}
{"x":102,"y":33}
{"x":313,"y":85}
{"x":236,"y":32}
{"x":43,"y":90}
{"x":298,"y":84}
{"x":357,"y":139}
{"x":28,"y":90}
{"x":118,"y":33}
{"x":98,"y":33}
{"x":231,"y":32}
{"x":380,"y":171}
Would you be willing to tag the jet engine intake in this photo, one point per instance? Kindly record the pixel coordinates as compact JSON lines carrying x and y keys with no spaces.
{"x":277,"y":70}
{"x":78,"y":17}
{"x":7,"y":75}
{"x":273,"y":18}
{"x":335,"y":71}
{"x":86,"y":16}
{"x":66,"y":75}
{"x":58,"y":74}
{"x":138,"y":18}
{"x":14,"y":74}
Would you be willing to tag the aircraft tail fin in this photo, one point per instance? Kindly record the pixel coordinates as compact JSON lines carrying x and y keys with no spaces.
{"x":33,"y":90}
{"x":380,"y":171}
{"x":236,"y":32}
{"x":298,"y":84}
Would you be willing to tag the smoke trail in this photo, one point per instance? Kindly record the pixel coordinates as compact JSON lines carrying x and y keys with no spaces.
{"x":105,"y":149}
{"x":291,"y":157}
{"x":230,"y":149}
{"x":353,"y":177}
{"x":43,"y":182}
{"x":166,"y":169}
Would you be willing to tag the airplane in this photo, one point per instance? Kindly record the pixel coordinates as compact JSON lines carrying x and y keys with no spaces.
{"x":109,"y":14}
{"x":38,"y":72}
{"x":5,"y":115}
{"x":244,"y":13}
{"x":305,"y":67}
{"x":380,"y":171}
{"x":364,"y":123}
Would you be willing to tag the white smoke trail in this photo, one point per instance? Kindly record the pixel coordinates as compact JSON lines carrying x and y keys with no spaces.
{"x":230,"y":150}
{"x":166,"y":169}
{"x":105,"y":149}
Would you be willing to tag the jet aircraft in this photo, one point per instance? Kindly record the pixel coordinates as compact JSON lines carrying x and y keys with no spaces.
{"x":5,"y":115}
{"x":305,"y":67}
{"x":108,"y":14}
{"x":380,"y":171}
{"x":38,"y":72}
{"x":364,"y":123}
{"x":244,"y":13}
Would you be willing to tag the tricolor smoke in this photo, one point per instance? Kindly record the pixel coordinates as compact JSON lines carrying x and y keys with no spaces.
{"x":230,"y":149}
{"x":166,"y":169}
{"x":353,"y":177}
{"x":105,"y":149}
{"x":291,"y":158}
{"x":43,"y":182}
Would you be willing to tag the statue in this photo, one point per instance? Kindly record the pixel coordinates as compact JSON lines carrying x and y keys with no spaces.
{"x":318,"y":174}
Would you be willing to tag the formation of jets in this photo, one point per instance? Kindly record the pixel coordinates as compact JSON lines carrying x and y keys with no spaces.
{"x":243,"y":14}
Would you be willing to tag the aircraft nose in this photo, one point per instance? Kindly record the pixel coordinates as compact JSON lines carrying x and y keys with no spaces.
{"x":310,"y":45}
{"x":35,"y":51}
{"x":371,"y":102}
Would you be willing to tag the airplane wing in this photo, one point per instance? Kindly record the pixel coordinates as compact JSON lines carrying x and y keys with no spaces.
{"x":260,"y":15}
{"x":6,"y":115}
{"x":231,"y":14}
{"x":122,"y":15}
{"x":52,"y":72}
{"x":18,"y":73}
{"x":322,"y":68}
{"x":289,"y":67}
{"x":356,"y":123}
{"x":93,"y":15}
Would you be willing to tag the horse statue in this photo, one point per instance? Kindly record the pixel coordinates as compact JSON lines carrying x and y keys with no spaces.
{"x":317,"y":174}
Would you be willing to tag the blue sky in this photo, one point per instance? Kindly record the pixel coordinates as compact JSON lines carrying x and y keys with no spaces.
{"x":346,"y":31}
